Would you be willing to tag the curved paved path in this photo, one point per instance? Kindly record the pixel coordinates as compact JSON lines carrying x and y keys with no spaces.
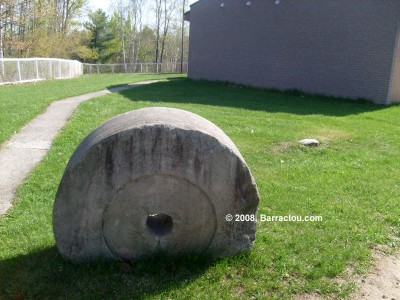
{"x":27,"y":148}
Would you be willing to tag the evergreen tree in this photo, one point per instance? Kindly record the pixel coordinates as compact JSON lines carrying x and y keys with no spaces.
{"x":99,"y":28}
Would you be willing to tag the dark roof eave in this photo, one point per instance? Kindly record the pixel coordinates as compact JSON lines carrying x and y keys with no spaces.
{"x":186,"y":16}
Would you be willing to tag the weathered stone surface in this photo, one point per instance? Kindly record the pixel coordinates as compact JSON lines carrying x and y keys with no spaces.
{"x":309,"y":142}
{"x":154,"y":179}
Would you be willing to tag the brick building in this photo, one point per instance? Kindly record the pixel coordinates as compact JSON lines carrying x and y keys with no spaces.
{"x":344,"y":48}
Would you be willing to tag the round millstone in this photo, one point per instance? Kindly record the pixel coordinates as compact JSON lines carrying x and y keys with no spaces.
{"x":150,"y":180}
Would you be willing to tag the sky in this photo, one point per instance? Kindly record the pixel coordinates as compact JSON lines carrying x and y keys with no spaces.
{"x":104,"y":4}
{"x":95,"y":4}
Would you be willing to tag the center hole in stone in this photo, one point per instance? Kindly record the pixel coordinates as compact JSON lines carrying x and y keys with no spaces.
{"x":159,"y":224}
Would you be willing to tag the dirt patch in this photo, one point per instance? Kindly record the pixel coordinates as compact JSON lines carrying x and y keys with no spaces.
{"x":282,"y":147}
{"x":382,"y":282}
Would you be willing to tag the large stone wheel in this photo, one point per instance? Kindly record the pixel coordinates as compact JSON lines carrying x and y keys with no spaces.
{"x":154,"y":179}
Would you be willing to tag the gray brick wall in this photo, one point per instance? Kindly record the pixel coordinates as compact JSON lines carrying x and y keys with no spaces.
{"x":341,"y":48}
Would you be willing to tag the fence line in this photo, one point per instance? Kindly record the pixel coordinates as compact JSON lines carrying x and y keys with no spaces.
{"x":19,"y":70}
{"x":139,"y":67}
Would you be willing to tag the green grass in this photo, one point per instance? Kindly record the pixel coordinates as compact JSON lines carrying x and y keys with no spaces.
{"x":352,"y":180}
{"x":20,"y":104}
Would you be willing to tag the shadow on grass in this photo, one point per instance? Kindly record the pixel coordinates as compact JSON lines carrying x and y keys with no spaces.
{"x":222,"y":94}
{"x":45,"y":275}
{"x":115,"y":88}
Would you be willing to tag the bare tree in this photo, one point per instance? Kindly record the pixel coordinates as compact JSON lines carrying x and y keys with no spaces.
{"x":137,"y":13}
{"x":169,"y":8}
{"x":69,"y":10}
{"x":158,"y":12}
{"x":121,"y":9}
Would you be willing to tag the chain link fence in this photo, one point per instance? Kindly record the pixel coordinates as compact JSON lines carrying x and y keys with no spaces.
{"x":168,"y":67}
{"x":20,"y":70}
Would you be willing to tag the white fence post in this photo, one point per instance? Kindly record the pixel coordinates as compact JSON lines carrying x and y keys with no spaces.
{"x":3,"y":71}
{"x":50,"y":70}
{"x":37,"y":69}
{"x":19,"y":71}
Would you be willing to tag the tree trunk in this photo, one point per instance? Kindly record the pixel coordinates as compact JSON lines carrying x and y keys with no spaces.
{"x":136,"y":30}
{"x":139,"y":35}
{"x":133,"y":36}
{"x":64,"y":16}
{"x":123,"y":50}
{"x":11,"y":31}
{"x":69,"y":12}
{"x":165,"y":31}
{"x":1,"y":31}
{"x":123,"y":39}
{"x":167,"y":19}
{"x":1,"y":43}
{"x":158,"y":19}
{"x":183,"y":34}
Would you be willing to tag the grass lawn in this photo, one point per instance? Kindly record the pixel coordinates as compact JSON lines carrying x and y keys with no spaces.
{"x":351,"y":180}
{"x":21,"y":103}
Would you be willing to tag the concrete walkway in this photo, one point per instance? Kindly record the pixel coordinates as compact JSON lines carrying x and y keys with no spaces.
{"x":27,"y":148}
